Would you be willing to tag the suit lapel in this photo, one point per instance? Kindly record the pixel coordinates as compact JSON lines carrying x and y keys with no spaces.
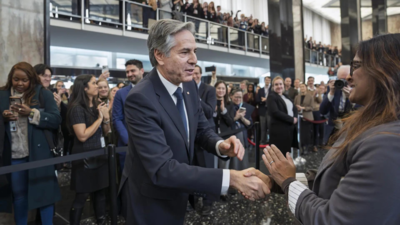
{"x":190,"y":113}
{"x":168,"y":104}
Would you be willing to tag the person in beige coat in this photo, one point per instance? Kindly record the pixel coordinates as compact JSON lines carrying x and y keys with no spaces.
{"x":305,"y":104}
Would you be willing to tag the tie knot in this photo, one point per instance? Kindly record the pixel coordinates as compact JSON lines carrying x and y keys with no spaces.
{"x":178,"y":93}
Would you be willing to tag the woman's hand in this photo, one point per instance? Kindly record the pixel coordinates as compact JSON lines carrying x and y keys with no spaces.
{"x":280,"y":168}
{"x":9,"y":116}
{"x":57,"y":98}
{"x":294,"y":120}
{"x":101,"y":116}
{"x":22,"y":110}
{"x":222,"y":107}
{"x":106,"y":112}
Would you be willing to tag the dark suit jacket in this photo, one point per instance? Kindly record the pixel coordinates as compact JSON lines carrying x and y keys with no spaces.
{"x":262,"y":106}
{"x":292,"y":93}
{"x":208,"y":102}
{"x":158,"y":175}
{"x":118,"y":115}
{"x":361,"y":188}
{"x":283,"y":132}
{"x":232,"y":108}
{"x":333,"y":107}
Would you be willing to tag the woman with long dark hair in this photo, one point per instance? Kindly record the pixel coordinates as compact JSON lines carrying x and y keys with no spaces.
{"x":358,"y":181}
{"x":223,"y":121}
{"x":27,"y":109}
{"x":89,"y":123}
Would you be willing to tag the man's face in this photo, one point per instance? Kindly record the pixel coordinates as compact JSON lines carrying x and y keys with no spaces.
{"x":296,"y":83}
{"x":219,"y":8}
{"x":288,"y":82}
{"x":310,"y":82}
{"x":243,"y":86}
{"x":45,"y":78}
{"x":267,"y":81}
{"x":179,"y":66}
{"x":197,"y":75}
{"x":134,"y":74}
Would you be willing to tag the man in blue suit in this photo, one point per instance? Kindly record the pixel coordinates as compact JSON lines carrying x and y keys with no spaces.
{"x":164,"y":119}
{"x":336,"y":103}
{"x":134,"y":73}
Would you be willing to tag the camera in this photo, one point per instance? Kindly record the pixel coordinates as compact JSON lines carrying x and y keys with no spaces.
{"x":340,"y":84}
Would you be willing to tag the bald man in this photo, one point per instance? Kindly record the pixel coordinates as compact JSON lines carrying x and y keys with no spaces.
{"x":336,"y":103}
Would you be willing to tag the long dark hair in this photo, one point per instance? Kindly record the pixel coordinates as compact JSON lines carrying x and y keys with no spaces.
{"x":380,"y":58}
{"x":226,"y":98}
{"x":80,"y":98}
{"x":33,"y":78}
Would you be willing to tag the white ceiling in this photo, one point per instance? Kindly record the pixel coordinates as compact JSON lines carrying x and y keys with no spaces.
{"x":330,"y":9}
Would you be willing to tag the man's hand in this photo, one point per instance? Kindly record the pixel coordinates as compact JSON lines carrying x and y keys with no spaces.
{"x":232,"y":147}
{"x":254,"y":172}
{"x":263,"y":99}
{"x":294,"y":120}
{"x":346,"y":91}
{"x":280,"y":167}
{"x":251,"y":187}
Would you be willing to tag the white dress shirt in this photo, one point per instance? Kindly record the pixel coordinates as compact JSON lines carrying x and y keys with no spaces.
{"x":171,"y":88}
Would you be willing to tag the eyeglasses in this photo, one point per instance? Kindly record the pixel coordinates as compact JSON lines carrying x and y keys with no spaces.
{"x":354,"y":65}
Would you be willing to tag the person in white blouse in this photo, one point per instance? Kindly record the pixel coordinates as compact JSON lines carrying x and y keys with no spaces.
{"x":358,"y":181}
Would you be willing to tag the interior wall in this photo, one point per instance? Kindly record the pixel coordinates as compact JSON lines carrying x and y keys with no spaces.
{"x":21,"y":34}
{"x":394,"y":24}
{"x":336,"y":34}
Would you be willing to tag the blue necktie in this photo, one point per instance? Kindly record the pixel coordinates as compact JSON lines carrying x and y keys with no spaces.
{"x":179,"y":105}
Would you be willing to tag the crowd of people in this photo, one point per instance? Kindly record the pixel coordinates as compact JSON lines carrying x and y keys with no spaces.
{"x":174,"y":9}
{"x":174,"y":124}
{"x":322,"y":54}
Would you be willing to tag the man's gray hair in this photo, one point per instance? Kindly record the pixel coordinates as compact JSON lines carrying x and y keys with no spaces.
{"x":343,"y":71}
{"x":161,"y":36}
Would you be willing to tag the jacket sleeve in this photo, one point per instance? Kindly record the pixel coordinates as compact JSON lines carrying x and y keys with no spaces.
{"x":367,"y":194}
{"x":118,"y":118}
{"x":274,"y":111}
{"x":50,"y":118}
{"x":258,"y":99}
{"x":325,"y":106}
{"x":309,"y":105}
{"x":209,"y":103}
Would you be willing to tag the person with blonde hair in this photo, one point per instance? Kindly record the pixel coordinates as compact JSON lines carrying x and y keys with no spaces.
{"x":283,"y":117}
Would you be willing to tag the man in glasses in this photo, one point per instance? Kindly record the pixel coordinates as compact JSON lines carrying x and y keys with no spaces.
{"x":336,"y":103}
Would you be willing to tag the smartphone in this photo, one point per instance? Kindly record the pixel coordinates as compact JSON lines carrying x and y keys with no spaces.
{"x":211,"y":69}
{"x":241,"y":109}
{"x":13,"y":101}
{"x":105,"y":68}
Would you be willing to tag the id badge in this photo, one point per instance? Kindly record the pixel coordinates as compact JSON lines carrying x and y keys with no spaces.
{"x":13,"y":126}
{"x":103,"y":142}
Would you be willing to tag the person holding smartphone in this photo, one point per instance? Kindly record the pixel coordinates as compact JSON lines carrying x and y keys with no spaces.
{"x":25,"y":120}
{"x":89,"y":122}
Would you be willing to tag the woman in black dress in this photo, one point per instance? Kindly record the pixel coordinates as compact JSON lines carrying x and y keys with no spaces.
{"x":283,"y":114}
{"x":88,"y":123}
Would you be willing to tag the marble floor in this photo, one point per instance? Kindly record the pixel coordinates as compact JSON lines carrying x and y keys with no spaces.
{"x":272,"y":210}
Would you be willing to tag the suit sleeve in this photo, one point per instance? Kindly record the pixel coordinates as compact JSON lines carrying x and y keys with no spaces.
{"x":209,"y":103}
{"x":50,"y":118}
{"x":118,"y":118}
{"x":274,"y":111}
{"x":144,"y":126}
{"x":370,"y":188}
{"x":325,"y":106}
{"x":258,"y":99}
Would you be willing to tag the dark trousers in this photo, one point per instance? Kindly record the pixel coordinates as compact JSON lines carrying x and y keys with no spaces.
{"x":306,"y":134}
{"x":318,"y":129}
{"x":264,"y":120}
{"x":99,"y":202}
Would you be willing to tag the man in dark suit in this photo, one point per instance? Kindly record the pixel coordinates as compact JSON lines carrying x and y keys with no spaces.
{"x":164,"y":119}
{"x":208,"y":100}
{"x":134,"y":73}
{"x":289,"y":90}
{"x":336,"y":103}
{"x":261,"y":100}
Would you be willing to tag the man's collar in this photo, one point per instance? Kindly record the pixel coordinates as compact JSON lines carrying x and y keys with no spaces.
{"x":171,"y":88}
{"x":198,"y":85}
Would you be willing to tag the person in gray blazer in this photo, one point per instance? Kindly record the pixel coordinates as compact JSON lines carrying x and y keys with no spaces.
{"x":358,"y":181}
{"x":304,"y":103}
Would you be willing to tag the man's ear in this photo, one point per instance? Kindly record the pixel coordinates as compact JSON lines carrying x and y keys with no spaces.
{"x":159,"y":57}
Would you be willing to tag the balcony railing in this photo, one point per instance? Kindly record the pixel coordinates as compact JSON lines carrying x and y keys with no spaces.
{"x":130,"y":16}
{"x":321,"y":58}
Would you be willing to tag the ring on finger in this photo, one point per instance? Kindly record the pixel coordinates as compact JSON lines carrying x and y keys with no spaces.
{"x":270,"y":163}
{"x":19,"y":110}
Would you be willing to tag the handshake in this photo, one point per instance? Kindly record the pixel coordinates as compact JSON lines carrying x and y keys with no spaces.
{"x":253,"y":184}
